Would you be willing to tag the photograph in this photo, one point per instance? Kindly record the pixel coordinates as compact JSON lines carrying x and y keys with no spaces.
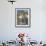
{"x":22,"y":22}
{"x":23,"y":17}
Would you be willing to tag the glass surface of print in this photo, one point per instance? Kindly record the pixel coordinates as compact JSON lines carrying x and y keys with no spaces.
{"x":23,"y":17}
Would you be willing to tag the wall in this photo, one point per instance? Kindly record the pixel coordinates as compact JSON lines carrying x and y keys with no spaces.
{"x":37,"y":31}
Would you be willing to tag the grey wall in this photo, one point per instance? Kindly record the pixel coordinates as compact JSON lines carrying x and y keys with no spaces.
{"x":8,"y":31}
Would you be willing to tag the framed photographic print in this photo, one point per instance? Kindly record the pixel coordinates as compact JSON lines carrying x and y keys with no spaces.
{"x":22,"y":17}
